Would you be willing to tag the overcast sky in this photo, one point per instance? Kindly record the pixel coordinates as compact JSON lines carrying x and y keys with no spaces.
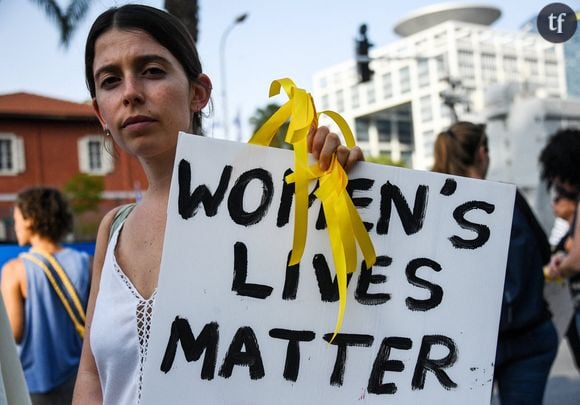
{"x":280,"y":38}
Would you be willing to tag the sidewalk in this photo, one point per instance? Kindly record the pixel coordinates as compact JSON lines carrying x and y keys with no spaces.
{"x":564,"y":383}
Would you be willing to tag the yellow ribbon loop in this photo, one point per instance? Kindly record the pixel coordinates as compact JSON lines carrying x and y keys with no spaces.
{"x":345,"y":227}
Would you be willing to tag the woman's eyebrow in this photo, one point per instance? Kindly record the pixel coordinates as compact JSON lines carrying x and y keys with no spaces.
{"x":138,"y":61}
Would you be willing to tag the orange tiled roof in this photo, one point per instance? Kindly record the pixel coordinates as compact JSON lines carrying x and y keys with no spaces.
{"x":32,"y":105}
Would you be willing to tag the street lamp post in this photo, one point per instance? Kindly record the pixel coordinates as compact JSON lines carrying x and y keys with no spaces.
{"x":238,"y":20}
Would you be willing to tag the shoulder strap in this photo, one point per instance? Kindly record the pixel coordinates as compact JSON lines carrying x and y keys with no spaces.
{"x":62,"y":285}
{"x":121,"y":214}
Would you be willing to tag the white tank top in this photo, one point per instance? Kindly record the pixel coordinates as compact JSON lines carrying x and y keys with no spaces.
{"x":120,"y":332}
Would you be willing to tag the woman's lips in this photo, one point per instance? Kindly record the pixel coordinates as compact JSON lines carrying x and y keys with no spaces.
{"x":137,"y":121}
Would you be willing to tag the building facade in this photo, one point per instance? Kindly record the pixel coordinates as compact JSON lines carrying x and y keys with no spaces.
{"x":400,"y":111}
{"x":46,"y":141}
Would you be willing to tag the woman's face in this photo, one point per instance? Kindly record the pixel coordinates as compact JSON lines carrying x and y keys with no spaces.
{"x":143,"y":96}
{"x":22,"y":227}
{"x":564,"y":200}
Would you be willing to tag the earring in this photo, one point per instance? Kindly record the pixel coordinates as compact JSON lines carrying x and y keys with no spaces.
{"x":107,"y":131}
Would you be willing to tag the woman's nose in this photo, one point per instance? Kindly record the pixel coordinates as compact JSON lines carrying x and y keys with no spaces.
{"x":133,"y":93}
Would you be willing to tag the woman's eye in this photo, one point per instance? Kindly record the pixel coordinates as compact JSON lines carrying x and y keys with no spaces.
{"x":109,"y":82}
{"x":154,"y":72}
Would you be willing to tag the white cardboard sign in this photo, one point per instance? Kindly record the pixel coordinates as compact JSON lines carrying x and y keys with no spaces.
{"x":233,"y":325}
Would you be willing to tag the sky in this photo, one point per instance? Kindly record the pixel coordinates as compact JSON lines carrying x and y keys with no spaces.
{"x":279,"y":38}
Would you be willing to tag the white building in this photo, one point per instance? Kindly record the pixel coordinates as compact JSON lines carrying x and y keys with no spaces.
{"x":518,"y":126}
{"x":400,"y":111}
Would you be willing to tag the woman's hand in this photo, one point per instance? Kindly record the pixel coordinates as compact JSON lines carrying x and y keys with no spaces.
{"x":323,"y":144}
{"x":553,"y":270}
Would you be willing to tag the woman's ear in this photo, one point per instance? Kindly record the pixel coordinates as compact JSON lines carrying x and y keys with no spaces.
{"x":98,"y":113}
{"x":201,"y":91}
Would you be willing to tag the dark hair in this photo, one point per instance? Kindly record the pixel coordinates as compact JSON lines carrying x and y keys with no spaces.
{"x":162,"y":26}
{"x":560,"y":158}
{"x":49,"y":211}
{"x":456,"y":148}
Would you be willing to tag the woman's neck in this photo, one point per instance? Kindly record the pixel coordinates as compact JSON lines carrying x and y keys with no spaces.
{"x":158,"y":172}
{"x":475,"y":173}
{"x":46,"y":245}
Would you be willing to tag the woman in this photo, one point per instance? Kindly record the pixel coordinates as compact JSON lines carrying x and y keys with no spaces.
{"x":48,"y":339}
{"x":147,"y":84}
{"x":527,"y":342}
{"x":559,"y":162}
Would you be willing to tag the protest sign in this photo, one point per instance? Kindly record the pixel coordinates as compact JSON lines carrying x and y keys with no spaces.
{"x":13,"y":389}
{"x":233,"y":324}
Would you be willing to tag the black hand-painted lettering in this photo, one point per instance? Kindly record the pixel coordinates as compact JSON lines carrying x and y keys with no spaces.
{"x":288,"y":190}
{"x":360,"y":202}
{"x":328,"y":287}
{"x":239,"y":284}
{"x":294,"y":337}
{"x":436,"y":291}
{"x":236,"y":198}
{"x":320,"y":220}
{"x":188,"y":203}
{"x":436,"y":366}
{"x":342,"y":341}
{"x":412,"y":221}
{"x":481,"y":230}
{"x":366,"y":278}
{"x":382,"y":364}
{"x":449,"y":187}
{"x":291,"y":280}
{"x":251,"y":357}
{"x":192,"y":348}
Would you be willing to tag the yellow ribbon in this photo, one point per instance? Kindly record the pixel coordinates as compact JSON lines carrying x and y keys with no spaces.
{"x":345,"y":227}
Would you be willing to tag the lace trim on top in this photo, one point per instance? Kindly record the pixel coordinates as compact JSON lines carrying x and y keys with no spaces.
{"x":143,"y":313}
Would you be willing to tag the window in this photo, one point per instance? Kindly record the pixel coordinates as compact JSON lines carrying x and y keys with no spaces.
{"x":423,"y":72}
{"x":405,"y":132}
{"x":11,"y":154}
{"x":441,"y":62}
{"x":387,"y":86}
{"x":93,"y":158}
{"x":362,"y":130}
{"x":488,"y":67}
{"x":466,"y":66}
{"x":510,"y":64}
{"x":384,"y":130}
{"x":532,"y":66}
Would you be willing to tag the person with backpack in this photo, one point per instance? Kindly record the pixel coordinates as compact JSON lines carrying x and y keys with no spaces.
{"x":46,"y":291}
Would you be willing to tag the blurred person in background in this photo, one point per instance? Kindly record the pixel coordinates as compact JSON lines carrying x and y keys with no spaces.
{"x":45,"y":292}
{"x":560,"y":166}
{"x":527,"y":341}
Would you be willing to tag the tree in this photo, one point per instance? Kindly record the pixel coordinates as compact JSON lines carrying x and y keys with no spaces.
{"x":261,"y":115}
{"x":187,"y":12}
{"x":68,"y":20}
{"x":84,"y":192}
{"x":385,"y":159}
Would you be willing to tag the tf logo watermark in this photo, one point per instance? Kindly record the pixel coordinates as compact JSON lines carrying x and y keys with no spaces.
{"x":557,"y":22}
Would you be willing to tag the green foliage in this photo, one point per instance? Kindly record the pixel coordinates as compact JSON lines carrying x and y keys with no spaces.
{"x":84,"y":192}
{"x":67,"y":20}
{"x":261,"y":115}
{"x":385,"y":159}
{"x":187,"y":12}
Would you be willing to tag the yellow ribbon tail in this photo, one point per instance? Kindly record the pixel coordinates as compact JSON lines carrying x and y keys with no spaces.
{"x":345,"y":227}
